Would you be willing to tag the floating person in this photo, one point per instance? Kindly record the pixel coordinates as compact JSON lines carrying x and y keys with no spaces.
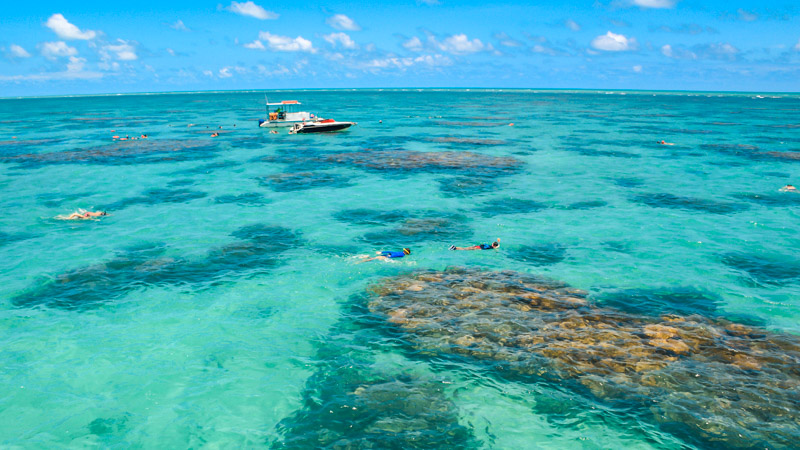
{"x":215,"y":134}
{"x":789,"y":188}
{"x":387,"y":255}
{"x":665,"y":143}
{"x":493,"y":246}
{"x":82,"y":215}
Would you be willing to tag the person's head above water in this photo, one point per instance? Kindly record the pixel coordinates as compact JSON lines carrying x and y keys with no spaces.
{"x":496,"y":243}
{"x":407,"y":251}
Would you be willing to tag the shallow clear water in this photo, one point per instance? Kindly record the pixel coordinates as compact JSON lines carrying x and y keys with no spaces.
{"x":219,"y":295}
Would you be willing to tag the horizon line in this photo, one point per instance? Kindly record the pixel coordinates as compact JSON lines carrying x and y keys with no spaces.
{"x":562,"y":90}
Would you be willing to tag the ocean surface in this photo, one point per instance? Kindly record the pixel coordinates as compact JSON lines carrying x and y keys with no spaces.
{"x":222,"y":303}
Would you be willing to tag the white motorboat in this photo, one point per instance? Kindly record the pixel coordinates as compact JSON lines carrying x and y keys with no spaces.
{"x":320,"y":126}
{"x":285,"y":114}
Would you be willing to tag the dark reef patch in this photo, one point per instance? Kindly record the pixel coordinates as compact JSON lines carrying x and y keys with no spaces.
{"x":540,"y":255}
{"x":156,"y":196}
{"x":664,"y":200}
{"x":111,"y":425}
{"x":657,"y":302}
{"x":247,"y":199}
{"x":56,"y":199}
{"x":418,"y":229}
{"x":301,"y":181}
{"x":258,"y":250}
{"x":467,"y":186}
{"x":126,"y":152}
{"x":762,"y":271}
{"x":371,"y":216}
{"x":683,"y":373}
{"x":467,"y":141}
{"x":778,"y":199}
{"x":9,"y":238}
{"x":629,"y":182}
{"x":591,"y":151}
{"x":588,"y":204}
{"x":206,"y":168}
{"x":510,"y":206}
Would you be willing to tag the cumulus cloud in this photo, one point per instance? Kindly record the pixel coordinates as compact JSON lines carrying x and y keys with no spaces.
{"x":18,"y":52}
{"x":55,"y":50}
{"x":342,"y":22}
{"x":677,"y":53}
{"x":572,"y":25}
{"x":255,"y":45}
{"x":612,"y":42}
{"x":66,"y":30}
{"x":655,"y":4}
{"x":250,"y":9}
{"x":404,"y":63}
{"x":342,"y":39}
{"x":76,"y":64}
{"x":281,"y":43}
{"x":120,"y":50}
{"x":179,"y":25}
{"x":460,"y":44}
{"x":413,"y":44}
{"x":506,"y":40}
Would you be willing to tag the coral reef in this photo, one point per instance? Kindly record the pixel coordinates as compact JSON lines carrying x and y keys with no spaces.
{"x":710,"y":381}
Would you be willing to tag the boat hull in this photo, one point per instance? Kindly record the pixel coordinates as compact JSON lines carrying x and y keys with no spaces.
{"x":324,"y":127}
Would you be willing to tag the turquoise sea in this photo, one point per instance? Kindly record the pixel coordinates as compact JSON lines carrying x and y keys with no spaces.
{"x":222,"y":304}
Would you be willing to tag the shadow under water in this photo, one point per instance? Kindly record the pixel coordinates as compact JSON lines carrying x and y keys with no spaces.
{"x":125,"y":152}
{"x":258,"y":250}
{"x":418,"y":229}
{"x":664,"y":200}
{"x":708,"y":381}
{"x":774,"y":270}
{"x":353,"y":403}
{"x":154,"y":197}
{"x":289,"y":182}
{"x":540,"y":255}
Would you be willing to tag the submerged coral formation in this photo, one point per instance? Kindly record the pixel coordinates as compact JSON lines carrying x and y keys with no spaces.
{"x":86,"y":287}
{"x":709,"y":381}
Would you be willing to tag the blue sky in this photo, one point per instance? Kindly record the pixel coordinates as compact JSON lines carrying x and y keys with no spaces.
{"x":55,"y":48}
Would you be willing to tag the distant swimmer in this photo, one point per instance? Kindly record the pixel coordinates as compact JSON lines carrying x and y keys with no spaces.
{"x":665,"y":143}
{"x":215,"y":134}
{"x":493,"y":246}
{"x":789,"y":188}
{"x":387,"y":255}
{"x":82,"y":215}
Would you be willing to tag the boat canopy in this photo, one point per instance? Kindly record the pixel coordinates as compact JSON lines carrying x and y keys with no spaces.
{"x":285,"y":102}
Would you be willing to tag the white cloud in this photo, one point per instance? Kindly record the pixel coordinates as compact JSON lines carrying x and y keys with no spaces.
{"x":66,"y":30}
{"x":637,"y":68}
{"x":59,"y":49}
{"x":342,"y":22}
{"x":342,"y":38}
{"x":285,"y":43}
{"x":460,"y":44}
{"x":572,"y":25}
{"x":252,"y":10}
{"x":180,"y":26}
{"x":75,"y":64}
{"x":544,"y":49}
{"x":404,"y":63}
{"x":255,"y":45}
{"x":225,"y":72}
{"x":121,"y":50}
{"x":208,"y":73}
{"x":413,"y":44}
{"x":18,"y":52}
{"x":280,"y":70}
{"x":747,"y":16}
{"x":612,"y":42}
{"x":656,"y":4}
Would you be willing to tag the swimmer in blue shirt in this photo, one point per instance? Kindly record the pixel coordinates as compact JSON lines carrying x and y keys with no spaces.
{"x":386,"y":255}
{"x":493,"y":246}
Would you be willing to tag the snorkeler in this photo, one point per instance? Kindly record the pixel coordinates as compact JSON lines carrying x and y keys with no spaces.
{"x":665,"y":143}
{"x":386,"y":255}
{"x":789,"y":188}
{"x":82,"y":215}
{"x":493,"y":246}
